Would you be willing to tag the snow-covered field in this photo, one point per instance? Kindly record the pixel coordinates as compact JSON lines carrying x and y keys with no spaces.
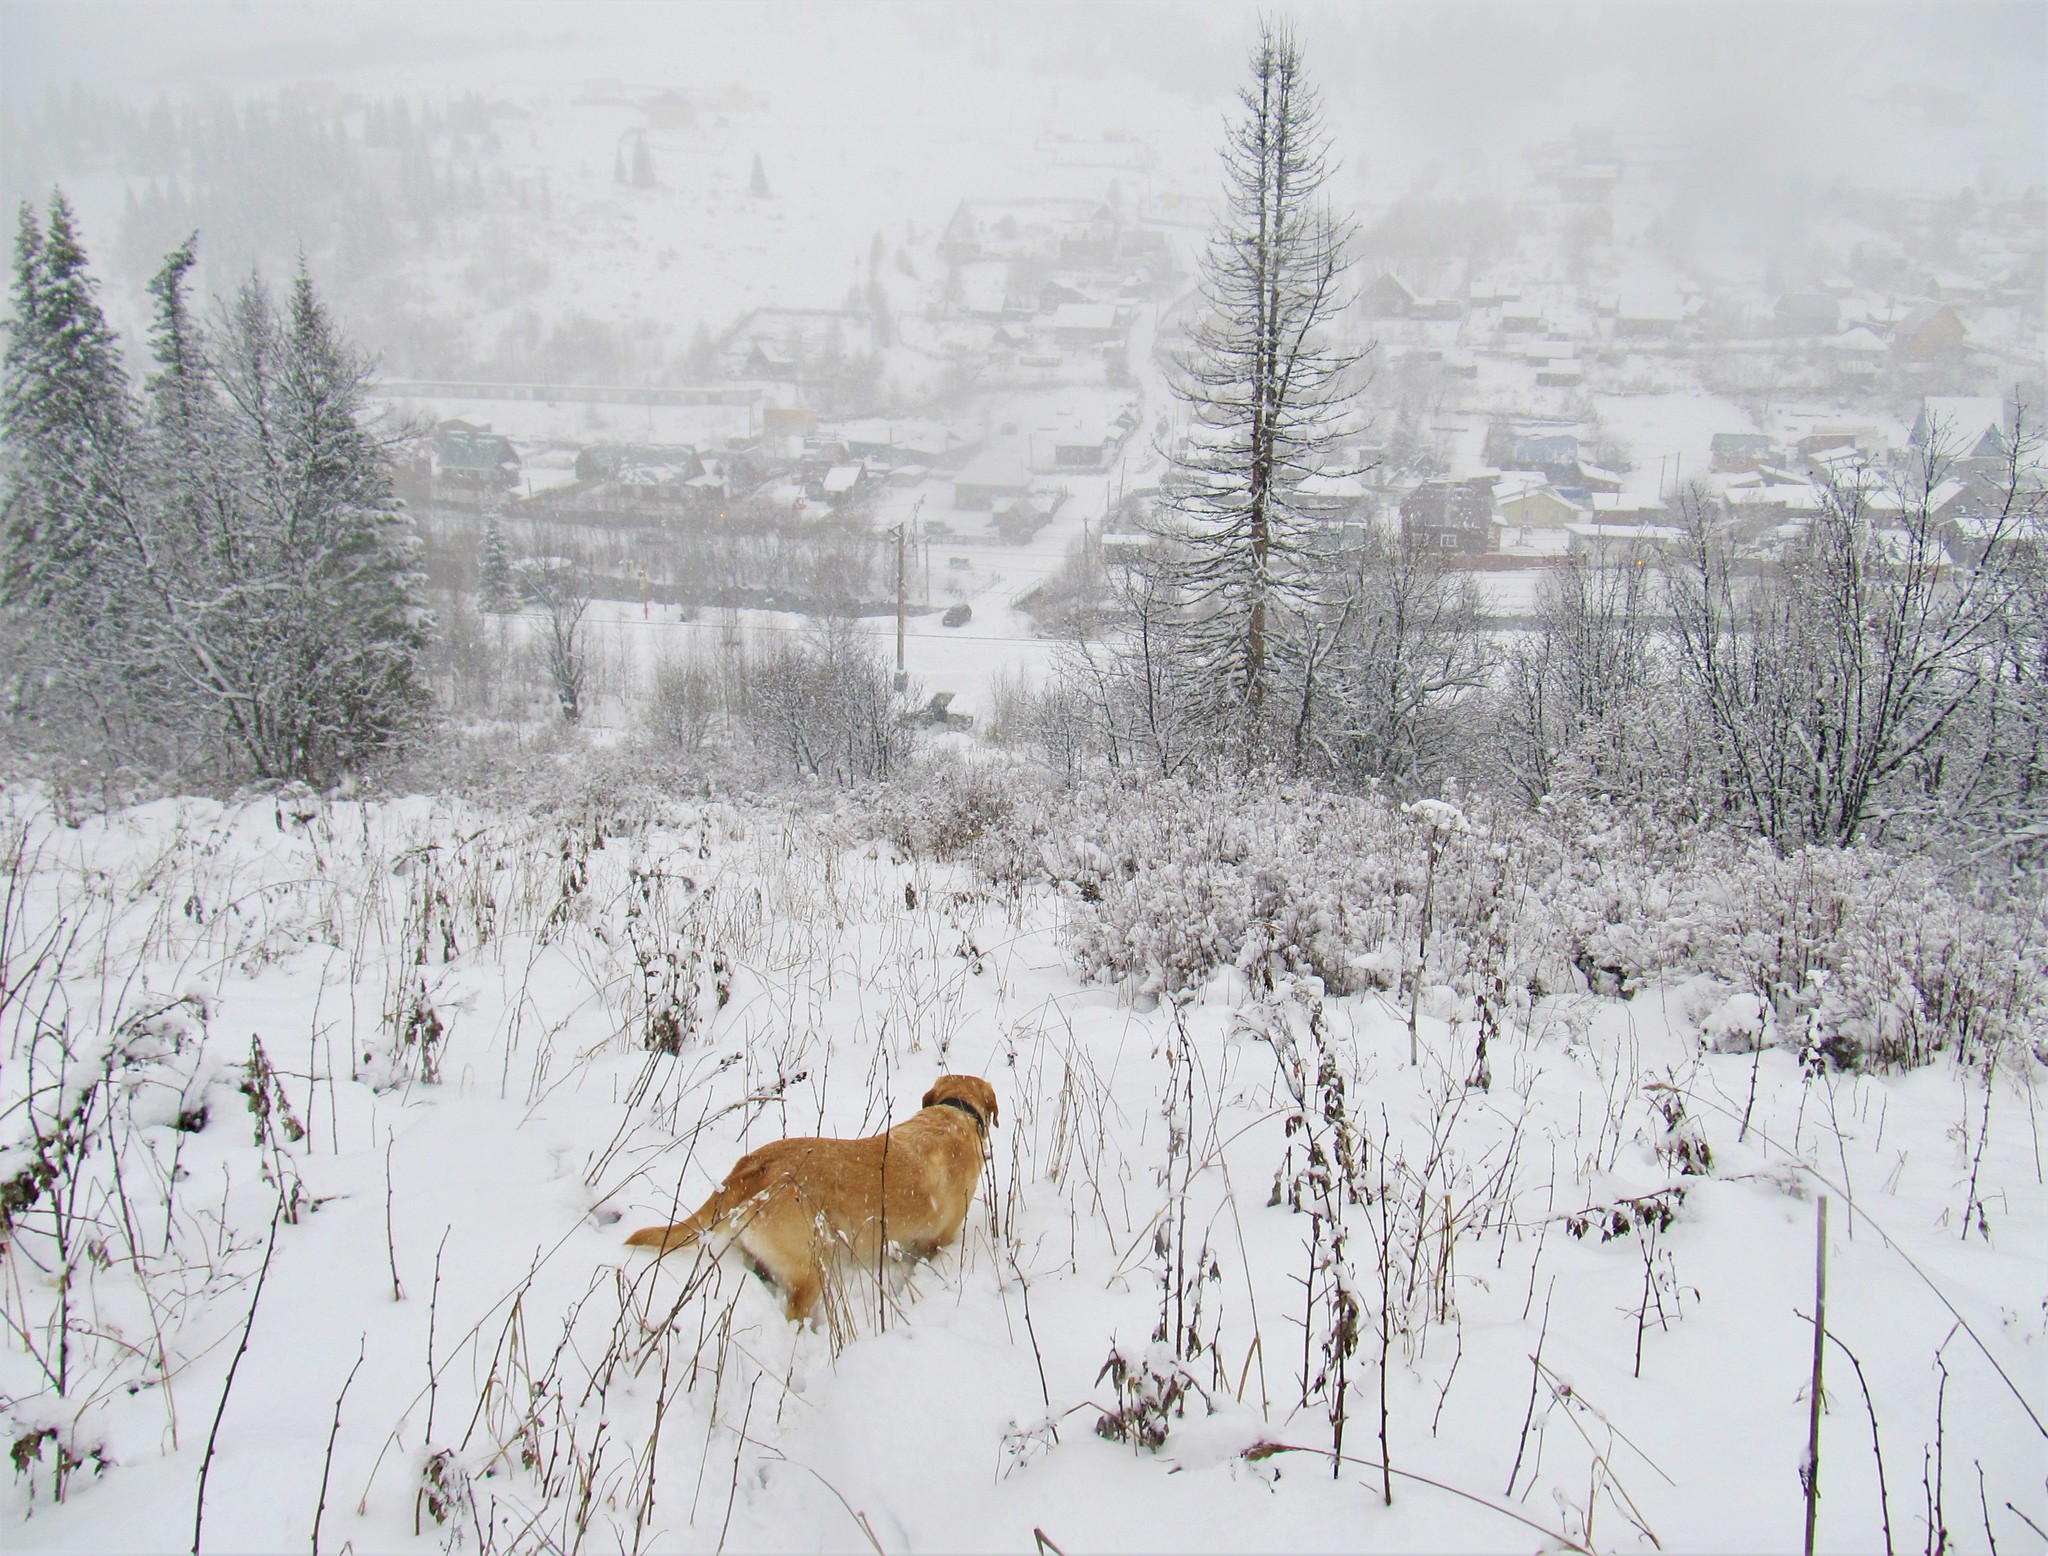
{"x":326,"y":1120}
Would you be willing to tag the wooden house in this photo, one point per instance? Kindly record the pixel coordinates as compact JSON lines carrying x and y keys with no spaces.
{"x":992,"y":476}
{"x":1931,"y":333}
{"x":1085,"y":324}
{"x":1529,"y":503}
{"x":473,"y":463}
{"x":1454,"y":516}
{"x":1387,"y":296}
{"x":1732,"y":453}
{"x":1807,"y":313}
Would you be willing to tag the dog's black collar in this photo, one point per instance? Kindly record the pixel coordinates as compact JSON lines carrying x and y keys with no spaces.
{"x":980,"y":1123}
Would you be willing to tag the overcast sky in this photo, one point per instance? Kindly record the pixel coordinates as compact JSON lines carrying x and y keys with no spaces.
{"x":1417,"y":90}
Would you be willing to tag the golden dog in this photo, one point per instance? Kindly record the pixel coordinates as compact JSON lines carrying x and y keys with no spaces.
{"x":788,"y":1205}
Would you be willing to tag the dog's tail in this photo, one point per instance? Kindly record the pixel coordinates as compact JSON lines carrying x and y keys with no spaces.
{"x":682,"y":1233}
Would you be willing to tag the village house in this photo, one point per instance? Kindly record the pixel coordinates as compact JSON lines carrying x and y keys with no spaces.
{"x":1731,"y":453}
{"x":472,"y":464}
{"x":1080,"y":440}
{"x":1932,"y":333}
{"x":1451,"y":515}
{"x":1049,"y":229}
{"x":1553,"y":453}
{"x":1336,"y":498}
{"x":897,"y":444}
{"x":1807,"y":313}
{"x":638,"y":477}
{"x":796,"y":345}
{"x":1077,"y":324}
{"x":1961,"y":427}
{"x":1530,"y":502}
{"x":1387,"y":296}
{"x":1648,"y":315}
{"x":1624,"y":545}
{"x":1857,"y":354}
{"x":994,"y":475}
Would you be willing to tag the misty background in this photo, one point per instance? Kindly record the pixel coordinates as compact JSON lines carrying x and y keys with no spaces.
{"x":895,"y":112}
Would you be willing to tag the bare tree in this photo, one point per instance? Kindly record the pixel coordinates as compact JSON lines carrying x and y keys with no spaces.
{"x":563,"y":591}
{"x":826,"y":701}
{"x":1571,"y":693}
{"x":1395,"y":660}
{"x":1145,"y":695}
{"x":1828,"y":680}
{"x":1264,"y":387}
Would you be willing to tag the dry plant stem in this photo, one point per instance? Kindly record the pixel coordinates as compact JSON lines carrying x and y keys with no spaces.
{"x":1024,"y":1286}
{"x":1984,"y":1503}
{"x":1535,"y":1377}
{"x":1044,"y":1542}
{"x":739,"y":1448}
{"x":433,"y":1313}
{"x":1972,"y":1202}
{"x":1422,"y":953}
{"x":1884,"y":1501}
{"x":334,"y":1431}
{"x":391,"y":1242}
{"x":1565,"y":1542}
{"x":1811,"y":1474}
{"x":241,"y":1350}
{"x":2022,"y":1517}
{"x":1936,"y":1486}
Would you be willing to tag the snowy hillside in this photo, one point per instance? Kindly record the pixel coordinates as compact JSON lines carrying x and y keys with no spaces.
{"x":325,"y":1122}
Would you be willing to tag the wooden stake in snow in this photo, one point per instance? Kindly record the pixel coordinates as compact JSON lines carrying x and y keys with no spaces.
{"x":1810,"y":1472}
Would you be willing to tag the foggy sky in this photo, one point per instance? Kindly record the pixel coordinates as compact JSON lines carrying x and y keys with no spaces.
{"x":1416,"y":92}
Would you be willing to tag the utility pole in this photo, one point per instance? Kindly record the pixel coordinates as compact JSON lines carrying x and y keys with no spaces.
{"x":915,"y":513}
{"x":902,"y":674}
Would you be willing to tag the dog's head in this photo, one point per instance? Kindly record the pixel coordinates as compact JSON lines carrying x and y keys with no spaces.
{"x":970,"y":1089}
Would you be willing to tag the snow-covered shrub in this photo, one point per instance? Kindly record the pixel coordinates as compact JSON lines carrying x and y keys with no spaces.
{"x":1152,"y":1390}
{"x":687,"y":701}
{"x":1861,"y":956}
{"x":945,"y":806}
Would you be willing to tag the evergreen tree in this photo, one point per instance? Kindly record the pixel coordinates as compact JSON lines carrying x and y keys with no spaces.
{"x":495,"y":591}
{"x":229,"y":577}
{"x":336,"y":625}
{"x":643,"y":164}
{"x":69,"y":423}
{"x":757,"y":185}
{"x":1263,"y":388}
{"x":618,"y":164}
{"x":74,"y":551}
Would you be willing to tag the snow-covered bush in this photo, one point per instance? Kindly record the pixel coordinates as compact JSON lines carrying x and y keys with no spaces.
{"x":945,"y":807}
{"x":1853,"y":952}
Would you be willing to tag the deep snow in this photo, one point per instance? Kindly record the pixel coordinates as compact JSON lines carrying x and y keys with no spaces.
{"x":851,"y":974}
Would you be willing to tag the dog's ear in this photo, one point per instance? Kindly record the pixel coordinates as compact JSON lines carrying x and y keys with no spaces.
{"x":931,"y":1098}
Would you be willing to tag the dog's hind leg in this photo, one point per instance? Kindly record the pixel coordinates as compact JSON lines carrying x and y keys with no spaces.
{"x":780,"y":1242}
